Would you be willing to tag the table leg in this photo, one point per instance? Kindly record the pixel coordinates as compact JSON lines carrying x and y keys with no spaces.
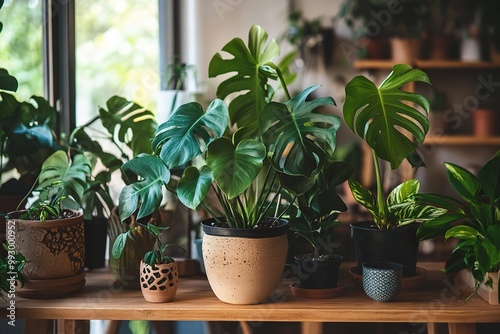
{"x":437,"y":328}
{"x":312,"y":328}
{"x":73,"y":326}
{"x":39,"y":326}
{"x":461,"y":328}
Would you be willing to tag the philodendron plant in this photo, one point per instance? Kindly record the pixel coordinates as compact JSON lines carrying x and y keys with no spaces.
{"x":473,"y":219}
{"x":250,"y":153}
{"x":385,"y":119}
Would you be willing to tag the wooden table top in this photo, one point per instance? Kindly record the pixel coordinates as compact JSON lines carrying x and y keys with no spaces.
{"x":437,"y":299}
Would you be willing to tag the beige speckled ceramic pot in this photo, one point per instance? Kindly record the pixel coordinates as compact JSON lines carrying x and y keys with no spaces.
{"x":244,"y":266}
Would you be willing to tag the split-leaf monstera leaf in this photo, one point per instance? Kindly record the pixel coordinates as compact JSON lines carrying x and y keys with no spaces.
{"x":382,"y":116}
{"x":250,"y":68}
{"x":185,"y":135}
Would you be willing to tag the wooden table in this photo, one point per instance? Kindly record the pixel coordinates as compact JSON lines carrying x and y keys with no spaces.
{"x":436,"y":300}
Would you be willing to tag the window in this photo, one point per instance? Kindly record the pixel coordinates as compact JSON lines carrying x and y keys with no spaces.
{"x":21,"y":45}
{"x":116,"y":53}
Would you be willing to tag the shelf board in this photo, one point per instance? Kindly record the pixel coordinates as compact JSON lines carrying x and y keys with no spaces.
{"x":423,"y":64}
{"x":462,"y":140}
{"x":454,"y":64}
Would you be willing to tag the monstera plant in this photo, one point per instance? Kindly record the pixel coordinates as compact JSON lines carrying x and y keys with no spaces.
{"x":386,"y":118}
{"x":251,"y":154}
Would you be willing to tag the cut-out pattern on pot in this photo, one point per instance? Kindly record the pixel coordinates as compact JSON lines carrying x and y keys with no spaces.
{"x":159,"y":282}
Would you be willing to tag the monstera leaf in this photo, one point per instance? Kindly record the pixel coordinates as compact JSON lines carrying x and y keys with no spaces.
{"x":188,"y":132}
{"x":148,"y":191}
{"x":133,"y":124}
{"x":251,"y":72}
{"x":382,"y":117}
{"x":235,"y":167}
{"x":194,"y":185}
{"x":297,"y":138}
{"x":69,"y":175}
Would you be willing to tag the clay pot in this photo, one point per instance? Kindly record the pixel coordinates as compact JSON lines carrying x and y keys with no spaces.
{"x":484,"y":122}
{"x":159,"y":282}
{"x":54,"y":253}
{"x":244,"y":266}
{"x":405,"y":50}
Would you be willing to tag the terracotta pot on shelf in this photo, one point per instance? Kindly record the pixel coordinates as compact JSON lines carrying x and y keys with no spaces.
{"x":54,"y":253}
{"x":484,"y":122}
{"x":405,"y":50}
{"x":159,"y":282}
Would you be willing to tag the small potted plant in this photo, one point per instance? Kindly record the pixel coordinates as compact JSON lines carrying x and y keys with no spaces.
{"x":474,"y":220}
{"x":318,"y":209}
{"x":159,"y":276}
{"x":380,"y":116}
{"x":50,"y":233}
{"x":251,"y":154}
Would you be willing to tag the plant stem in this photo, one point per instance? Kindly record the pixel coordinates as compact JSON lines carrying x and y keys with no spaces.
{"x":379,"y":221}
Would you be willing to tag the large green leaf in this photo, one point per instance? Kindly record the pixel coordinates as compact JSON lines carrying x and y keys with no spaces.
{"x":131,"y":123}
{"x":71,"y":175}
{"x":194,"y":186}
{"x":382,"y":116}
{"x":463,"y":181}
{"x":189,"y":131}
{"x":235,"y":168}
{"x":295,"y":136}
{"x":249,"y":74}
{"x":489,"y":178}
{"x":146,"y":193}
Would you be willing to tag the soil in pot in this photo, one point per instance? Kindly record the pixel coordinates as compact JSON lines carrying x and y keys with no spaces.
{"x":398,"y":245}
{"x":318,"y":271}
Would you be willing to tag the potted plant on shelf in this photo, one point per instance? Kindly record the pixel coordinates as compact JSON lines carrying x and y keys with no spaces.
{"x":473,"y":219}
{"x":122,"y":129}
{"x":159,"y":276}
{"x":50,"y":233}
{"x":380,"y":116}
{"x":248,"y":153}
{"x":318,"y":210}
{"x":377,"y":20}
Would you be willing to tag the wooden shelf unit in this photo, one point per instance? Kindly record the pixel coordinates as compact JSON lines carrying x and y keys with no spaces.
{"x":382,"y":64}
{"x":462,"y":140}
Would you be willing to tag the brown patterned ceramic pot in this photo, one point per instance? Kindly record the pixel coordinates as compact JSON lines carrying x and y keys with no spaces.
{"x":54,"y":253}
{"x":244,"y":266}
{"x":159,"y":282}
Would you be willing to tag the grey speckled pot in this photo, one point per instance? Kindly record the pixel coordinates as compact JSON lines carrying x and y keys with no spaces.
{"x":244,"y":266}
{"x":382,"y":280}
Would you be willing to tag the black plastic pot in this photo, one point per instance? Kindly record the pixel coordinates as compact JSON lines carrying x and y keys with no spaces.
{"x":318,"y":272}
{"x":209,"y":227}
{"x":96,"y":234}
{"x":398,"y":245}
